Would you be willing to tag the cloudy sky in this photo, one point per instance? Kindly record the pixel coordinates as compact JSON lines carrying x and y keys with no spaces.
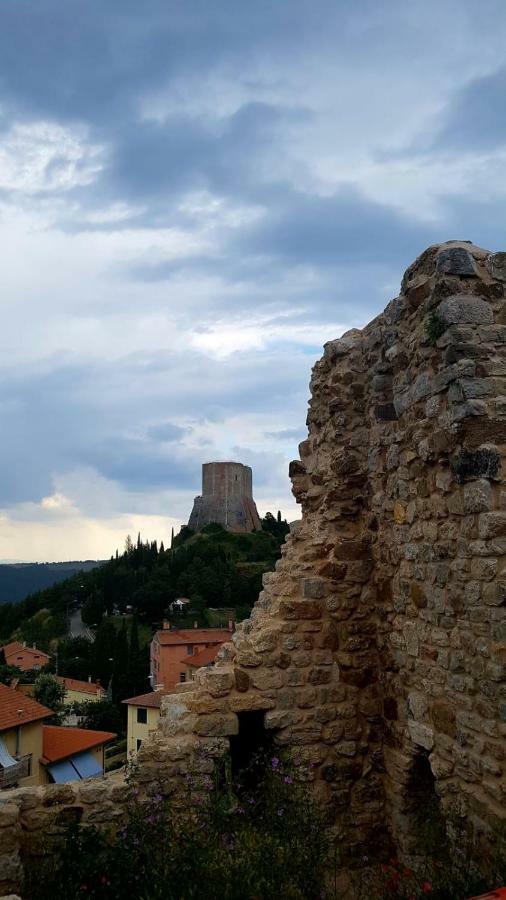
{"x":194,"y":196}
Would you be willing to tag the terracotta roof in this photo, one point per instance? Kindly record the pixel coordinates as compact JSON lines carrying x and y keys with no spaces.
{"x":18,"y":709}
{"x":193,"y":636}
{"x":85,"y":687}
{"x":203,"y":658}
{"x":59,"y":743}
{"x":24,"y":657}
{"x":153,"y":699}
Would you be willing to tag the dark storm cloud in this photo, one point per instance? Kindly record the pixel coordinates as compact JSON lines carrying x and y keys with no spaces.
{"x":262,"y":108}
{"x":120,"y":430}
{"x":476,"y":117}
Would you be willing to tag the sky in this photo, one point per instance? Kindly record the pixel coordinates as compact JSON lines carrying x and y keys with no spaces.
{"x":194,"y":197}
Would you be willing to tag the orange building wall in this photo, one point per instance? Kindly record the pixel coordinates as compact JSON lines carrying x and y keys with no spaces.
{"x":166,"y":660}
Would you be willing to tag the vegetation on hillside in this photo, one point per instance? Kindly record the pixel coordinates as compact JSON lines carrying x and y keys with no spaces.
{"x":18,"y":580}
{"x":213,"y":568}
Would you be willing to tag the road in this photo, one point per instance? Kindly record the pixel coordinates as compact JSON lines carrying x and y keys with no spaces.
{"x":77,"y":628}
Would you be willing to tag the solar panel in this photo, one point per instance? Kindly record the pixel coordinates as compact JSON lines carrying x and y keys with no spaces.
{"x":63,"y":771}
{"x":86,"y":764}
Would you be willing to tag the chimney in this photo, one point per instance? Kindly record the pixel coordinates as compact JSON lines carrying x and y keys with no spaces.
{"x":34,"y":646}
{"x":230,"y":624}
{"x":24,"y":643}
{"x":166,"y":625}
{"x":89,"y":678}
{"x":195,"y":624}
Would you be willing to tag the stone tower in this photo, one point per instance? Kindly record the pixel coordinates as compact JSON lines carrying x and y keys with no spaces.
{"x":227,"y":498}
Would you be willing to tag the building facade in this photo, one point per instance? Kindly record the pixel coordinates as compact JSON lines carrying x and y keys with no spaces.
{"x":170,"y":649}
{"x":143,"y":717}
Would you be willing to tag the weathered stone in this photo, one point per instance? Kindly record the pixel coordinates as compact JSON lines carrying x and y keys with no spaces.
{"x":421,"y":734}
{"x":484,"y":463}
{"x":463,"y":309}
{"x":455,"y":261}
{"x":477,"y":496}
{"x":498,"y":266}
{"x":242,"y":680}
{"x":216,"y":725}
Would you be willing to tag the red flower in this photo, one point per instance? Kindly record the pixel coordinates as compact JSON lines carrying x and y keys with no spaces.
{"x":426,"y":887}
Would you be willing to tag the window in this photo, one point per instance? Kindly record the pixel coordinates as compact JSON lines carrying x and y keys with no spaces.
{"x":189,"y":649}
{"x":182,"y":677}
{"x":142,"y":715}
{"x":139,"y":742}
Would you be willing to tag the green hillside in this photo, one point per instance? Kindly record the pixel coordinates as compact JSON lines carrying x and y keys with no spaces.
{"x":214,"y":569}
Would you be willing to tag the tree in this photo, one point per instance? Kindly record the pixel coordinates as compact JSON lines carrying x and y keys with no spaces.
{"x":51,"y":693}
{"x":99,"y":715}
{"x":128,"y":544}
{"x":7,"y":673}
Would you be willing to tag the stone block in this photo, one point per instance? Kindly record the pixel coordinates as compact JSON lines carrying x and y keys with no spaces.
{"x":217,"y":725}
{"x":455,"y":261}
{"x":218,"y":682}
{"x":497,"y":264}
{"x":492,"y":524}
{"x":242,"y":680}
{"x":266,"y":679}
{"x":314,"y":588}
{"x":463,"y":309}
{"x":421,"y":735}
{"x":300,"y":609}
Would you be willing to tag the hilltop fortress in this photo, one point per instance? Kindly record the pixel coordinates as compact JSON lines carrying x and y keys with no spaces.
{"x":377,"y":648}
{"x":227,"y":498}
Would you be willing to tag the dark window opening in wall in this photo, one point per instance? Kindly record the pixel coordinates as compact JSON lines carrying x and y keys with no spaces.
{"x":182,"y":677}
{"x":423,"y":805}
{"x":142,"y":715}
{"x":250,"y":748}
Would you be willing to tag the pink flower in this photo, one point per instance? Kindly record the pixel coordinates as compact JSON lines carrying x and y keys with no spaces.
{"x":426,"y":887}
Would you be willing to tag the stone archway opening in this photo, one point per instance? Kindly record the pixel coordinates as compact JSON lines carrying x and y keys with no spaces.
{"x":426,"y":829}
{"x":250,"y":747}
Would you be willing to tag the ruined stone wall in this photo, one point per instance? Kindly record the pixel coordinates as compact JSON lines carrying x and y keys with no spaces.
{"x":380,"y":639}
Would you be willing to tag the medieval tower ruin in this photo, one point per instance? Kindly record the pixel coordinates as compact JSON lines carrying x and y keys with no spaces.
{"x":377,"y":649}
{"x":227,"y":498}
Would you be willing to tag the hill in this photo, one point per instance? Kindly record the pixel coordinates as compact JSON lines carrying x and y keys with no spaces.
{"x":18,"y":580}
{"x":213,"y":568}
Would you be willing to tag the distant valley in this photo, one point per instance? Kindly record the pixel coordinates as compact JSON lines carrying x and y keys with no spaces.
{"x":18,"y":580}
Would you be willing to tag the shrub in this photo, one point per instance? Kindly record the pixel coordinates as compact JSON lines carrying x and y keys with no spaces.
{"x":434,"y":328}
{"x":259,"y":838}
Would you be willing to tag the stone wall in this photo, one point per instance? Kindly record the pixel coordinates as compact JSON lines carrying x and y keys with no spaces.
{"x":378,"y":645}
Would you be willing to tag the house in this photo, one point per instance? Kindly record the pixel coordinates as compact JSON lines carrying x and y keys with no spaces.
{"x":71,"y":754}
{"x":202,"y":659}
{"x":21,"y":719}
{"x":179,"y":604}
{"x":170,"y":648}
{"x":143,"y":716}
{"x":80,"y":691}
{"x":25,"y":658}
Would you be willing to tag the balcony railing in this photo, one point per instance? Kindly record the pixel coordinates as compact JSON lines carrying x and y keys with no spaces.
{"x":10,"y":776}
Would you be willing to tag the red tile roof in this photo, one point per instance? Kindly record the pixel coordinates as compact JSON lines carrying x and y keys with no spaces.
{"x":59,"y":743}
{"x":85,"y":687}
{"x":153,"y":699}
{"x":18,"y":709}
{"x":193,"y":636}
{"x":24,"y":657}
{"x":203,"y":658}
